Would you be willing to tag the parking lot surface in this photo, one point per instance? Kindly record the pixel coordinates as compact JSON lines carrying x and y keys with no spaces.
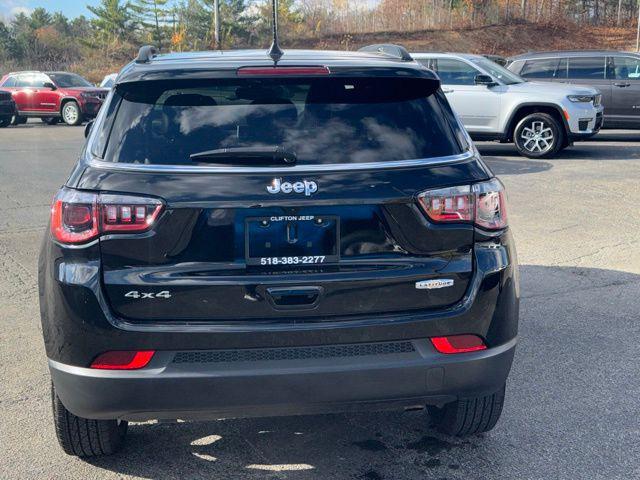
{"x":572,"y":401}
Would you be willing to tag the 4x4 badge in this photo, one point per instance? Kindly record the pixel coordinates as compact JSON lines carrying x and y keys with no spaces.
{"x":303,"y":186}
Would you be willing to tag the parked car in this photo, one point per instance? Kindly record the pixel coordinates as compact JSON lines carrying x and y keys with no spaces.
{"x":7,"y":108}
{"x":615,"y":74}
{"x":53,"y":96}
{"x":253,"y":235}
{"x":496,"y":104}
{"x":108,"y":81}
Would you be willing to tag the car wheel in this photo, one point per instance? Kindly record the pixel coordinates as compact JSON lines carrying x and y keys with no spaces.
{"x":18,"y":120}
{"x":50,"y":120}
{"x":538,"y":135}
{"x":82,"y":437}
{"x":468,"y":416}
{"x":5,"y":122}
{"x":71,"y":114}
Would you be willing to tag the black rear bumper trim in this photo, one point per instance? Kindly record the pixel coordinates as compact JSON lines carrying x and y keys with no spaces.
{"x":167,"y":390}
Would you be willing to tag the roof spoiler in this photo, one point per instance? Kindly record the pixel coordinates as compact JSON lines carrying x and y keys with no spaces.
{"x":146,"y":53}
{"x":389,"y":49}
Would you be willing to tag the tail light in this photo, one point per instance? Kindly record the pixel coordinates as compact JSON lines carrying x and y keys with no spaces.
{"x":458,"y":344}
{"x":123,"y":359}
{"x":481,"y":203}
{"x":78,"y":217}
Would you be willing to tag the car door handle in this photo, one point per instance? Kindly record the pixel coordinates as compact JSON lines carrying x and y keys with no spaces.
{"x":622,"y":84}
{"x":447,"y":90}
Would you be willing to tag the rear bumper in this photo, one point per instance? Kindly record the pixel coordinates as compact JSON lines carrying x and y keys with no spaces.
{"x":203,"y":388}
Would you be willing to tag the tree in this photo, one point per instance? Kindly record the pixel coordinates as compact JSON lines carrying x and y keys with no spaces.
{"x":114,"y":21}
{"x":291,"y":21}
{"x":236,"y":22}
{"x":39,"y":18}
{"x":152,"y":16}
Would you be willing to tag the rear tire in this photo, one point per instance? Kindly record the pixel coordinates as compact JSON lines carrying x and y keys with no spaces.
{"x":538,"y":135}
{"x":18,"y":120}
{"x":71,"y":113}
{"x":82,"y":437}
{"x":468,"y":416}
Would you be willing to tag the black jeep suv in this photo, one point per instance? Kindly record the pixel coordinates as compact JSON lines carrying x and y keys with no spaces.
{"x":244,"y":237}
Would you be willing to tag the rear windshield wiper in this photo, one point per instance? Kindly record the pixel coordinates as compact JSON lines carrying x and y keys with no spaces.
{"x":263,"y":156}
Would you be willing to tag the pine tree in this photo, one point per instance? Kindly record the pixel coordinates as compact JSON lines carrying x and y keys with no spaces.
{"x":152,"y":16}
{"x":113,"y":22}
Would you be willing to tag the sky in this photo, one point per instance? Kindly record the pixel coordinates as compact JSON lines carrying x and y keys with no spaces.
{"x":71,"y":8}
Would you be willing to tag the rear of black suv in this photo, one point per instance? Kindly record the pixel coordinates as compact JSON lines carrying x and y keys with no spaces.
{"x":244,"y":238}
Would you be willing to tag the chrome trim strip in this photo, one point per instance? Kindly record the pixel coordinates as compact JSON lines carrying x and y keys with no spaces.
{"x":330,"y":167}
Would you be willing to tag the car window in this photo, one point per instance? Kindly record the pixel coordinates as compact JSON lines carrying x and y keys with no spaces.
{"x":38,"y":80}
{"x":23,"y":81}
{"x":69,"y":80}
{"x":430,"y":63}
{"x":322,"y":120}
{"x":9,"y":82}
{"x":32,"y":80}
{"x":456,"y":72}
{"x":540,"y":68}
{"x":497,"y":71}
{"x":561,"y":72}
{"x":626,"y":68}
{"x":586,"y":67}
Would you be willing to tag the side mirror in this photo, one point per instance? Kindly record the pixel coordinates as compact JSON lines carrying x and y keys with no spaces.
{"x":87,"y":129}
{"x":485,"y":80}
{"x":49,"y":85}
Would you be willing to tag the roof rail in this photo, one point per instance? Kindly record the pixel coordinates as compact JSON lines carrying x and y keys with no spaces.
{"x":389,"y":49}
{"x":146,"y":53}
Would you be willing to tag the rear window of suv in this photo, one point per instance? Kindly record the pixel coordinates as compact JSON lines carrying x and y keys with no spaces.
{"x":320,"y":120}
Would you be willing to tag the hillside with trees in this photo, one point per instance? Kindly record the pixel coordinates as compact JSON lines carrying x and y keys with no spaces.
{"x":110,"y":38}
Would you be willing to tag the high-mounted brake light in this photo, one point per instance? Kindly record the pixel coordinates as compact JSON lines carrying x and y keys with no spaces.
{"x":283,"y":71}
{"x":458,"y":344}
{"x":78,"y":217}
{"x":123,"y":360}
{"x":482,"y":203}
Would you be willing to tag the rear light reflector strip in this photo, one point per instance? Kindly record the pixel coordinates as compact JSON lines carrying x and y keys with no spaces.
{"x":123,"y":360}
{"x":458,"y":344}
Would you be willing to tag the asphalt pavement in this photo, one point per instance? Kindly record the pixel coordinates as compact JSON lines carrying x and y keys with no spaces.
{"x":572,"y":402}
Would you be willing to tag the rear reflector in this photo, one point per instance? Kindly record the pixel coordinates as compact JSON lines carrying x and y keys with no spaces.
{"x":283,"y":71}
{"x":123,"y":360}
{"x":458,"y":344}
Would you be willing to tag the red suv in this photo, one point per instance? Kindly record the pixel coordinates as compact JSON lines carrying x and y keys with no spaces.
{"x":52,"y":96}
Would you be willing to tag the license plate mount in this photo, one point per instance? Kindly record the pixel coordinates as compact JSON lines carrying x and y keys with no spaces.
{"x":292,"y":240}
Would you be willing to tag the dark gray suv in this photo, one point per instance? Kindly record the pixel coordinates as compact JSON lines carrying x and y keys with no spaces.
{"x":615,"y":74}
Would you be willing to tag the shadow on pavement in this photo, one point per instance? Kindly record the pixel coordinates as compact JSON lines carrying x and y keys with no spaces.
{"x":597,"y":151}
{"x":573,"y":345}
{"x":616,"y":136}
{"x":519,"y":166}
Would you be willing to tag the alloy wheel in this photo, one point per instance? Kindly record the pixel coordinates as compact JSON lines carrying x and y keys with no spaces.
{"x":537,"y":137}
{"x":70,"y":113}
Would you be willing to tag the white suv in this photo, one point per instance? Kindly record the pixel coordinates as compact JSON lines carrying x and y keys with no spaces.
{"x":496,"y":104}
